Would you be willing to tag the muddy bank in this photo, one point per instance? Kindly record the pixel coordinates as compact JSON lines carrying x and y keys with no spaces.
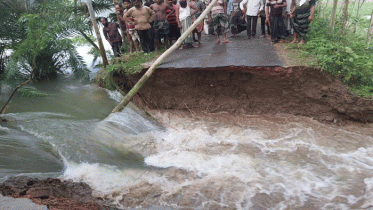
{"x":53,"y":193}
{"x":241,"y":90}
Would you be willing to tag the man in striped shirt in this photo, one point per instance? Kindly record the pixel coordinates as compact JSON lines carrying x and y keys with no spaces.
{"x":174,"y":33}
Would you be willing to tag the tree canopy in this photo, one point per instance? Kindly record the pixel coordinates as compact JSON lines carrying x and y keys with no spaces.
{"x":38,"y":33}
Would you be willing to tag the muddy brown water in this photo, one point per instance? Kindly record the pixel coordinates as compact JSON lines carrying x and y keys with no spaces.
{"x":198,"y":158}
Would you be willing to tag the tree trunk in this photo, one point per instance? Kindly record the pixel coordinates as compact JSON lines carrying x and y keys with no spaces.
{"x":95,"y":27}
{"x":89,"y":40}
{"x":332,"y":20}
{"x":370,"y":30}
{"x":19,"y":86}
{"x":160,"y":59}
{"x":345,"y":14}
{"x":359,"y":5}
{"x":11,"y":96}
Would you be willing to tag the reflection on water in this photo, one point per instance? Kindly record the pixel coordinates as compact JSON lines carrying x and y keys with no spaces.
{"x":206,"y":162}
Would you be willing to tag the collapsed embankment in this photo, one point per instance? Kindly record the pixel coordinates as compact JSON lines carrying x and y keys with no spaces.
{"x":53,"y":193}
{"x":299,"y":90}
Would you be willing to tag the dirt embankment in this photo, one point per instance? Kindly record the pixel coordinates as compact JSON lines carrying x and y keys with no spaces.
{"x":242,"y":90}
{"x":54,"y":193}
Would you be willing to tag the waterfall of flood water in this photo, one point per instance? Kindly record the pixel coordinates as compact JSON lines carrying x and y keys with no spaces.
{"x":250,"y":162}
{"x":263,"y":162}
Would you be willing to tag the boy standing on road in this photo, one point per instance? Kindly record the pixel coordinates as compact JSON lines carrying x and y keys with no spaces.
{"x":160,"y":25}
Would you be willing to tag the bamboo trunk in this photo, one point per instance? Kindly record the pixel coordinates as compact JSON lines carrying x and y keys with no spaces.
{"x":370,"y":30}
{"x":95,"y":27}
{"x":160,"y":59}
{"x":359,"y":5}
{"x":345,"y":14}
{"x":332,"y":20}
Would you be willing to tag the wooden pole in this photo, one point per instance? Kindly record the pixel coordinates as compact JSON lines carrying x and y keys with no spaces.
{"x":160,"y":59}
{"x":95,"y":27}
{"x":370,"y":30}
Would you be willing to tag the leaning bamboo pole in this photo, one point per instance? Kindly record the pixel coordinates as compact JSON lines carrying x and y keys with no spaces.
{"x":160,"y":59}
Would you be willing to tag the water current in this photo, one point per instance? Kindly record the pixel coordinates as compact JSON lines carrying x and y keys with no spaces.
{"x":214,"y":161}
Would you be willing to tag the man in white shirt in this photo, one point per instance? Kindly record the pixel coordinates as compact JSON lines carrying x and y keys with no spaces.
{"x":251,"y":10}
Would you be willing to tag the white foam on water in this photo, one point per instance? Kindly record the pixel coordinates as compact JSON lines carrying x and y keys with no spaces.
{"x":115,"y":95}
{"x":101,"y":177}
{"x":37,"y":134}
{"x":298,"y":168}
{"x":369,"y":193}
{"x":4,"y":128}
{"x":293,"y":164}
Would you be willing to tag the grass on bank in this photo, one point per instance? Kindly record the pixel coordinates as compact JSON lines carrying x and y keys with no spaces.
{"x":126,"y":65}
{"x":342,"y":53}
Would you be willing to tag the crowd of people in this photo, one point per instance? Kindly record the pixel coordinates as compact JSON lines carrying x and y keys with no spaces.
{"x":152,"y":24}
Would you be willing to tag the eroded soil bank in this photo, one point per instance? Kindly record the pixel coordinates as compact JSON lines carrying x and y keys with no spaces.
{"x":299,"y":90}
{"x":54,"y":193}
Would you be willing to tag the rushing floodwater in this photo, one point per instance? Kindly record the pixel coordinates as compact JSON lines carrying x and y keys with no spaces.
{"x":255,"y":162}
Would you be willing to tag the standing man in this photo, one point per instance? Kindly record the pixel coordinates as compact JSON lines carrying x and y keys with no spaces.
{"x":184,"y":21}
{"x":302,"y":13}
{"x":274,"y":18}
{"x":286,"y":15}
{"x":218,"y":16}
{"x":174,"y":28}
{"x":112,"y":35}
{"x":194,"y":15}
{"x":263,"y":22}
{"x":252,"y":11}
{"x":160,"y":25}
{"x":142,"y":16}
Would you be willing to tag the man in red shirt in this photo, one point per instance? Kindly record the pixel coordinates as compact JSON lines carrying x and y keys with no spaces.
{"x":174,"y":33}
{"x":112,"y":35}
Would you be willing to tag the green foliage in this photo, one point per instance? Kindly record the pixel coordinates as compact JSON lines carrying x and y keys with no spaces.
{"x":126,"y":65}
{"x":29,"y":91}
{"x":81,"y":41}
{"x":45,"y":47}
{"x":342,"y":53}
{"x":131,"y":63}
